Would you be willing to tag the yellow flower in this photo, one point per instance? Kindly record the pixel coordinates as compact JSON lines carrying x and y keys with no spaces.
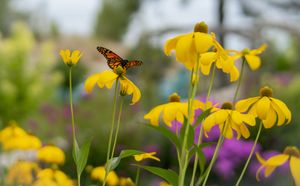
{"x":143,"y":156}
{"x":107,"y":79}
{"x":52,"y":177}
{"x":229,"y":120}
{"x":290,"y":154}
{"x":222,"y":59}
{"x":164,"y":184}
{"x":23,"y":142}
{"x":174,"y":110}
{"x":98,"y":173}
{"x":126,"y":182}
{"x":189,"y":46}
{"x":51,"y":154}
{"x":21,"y":173}
{"x":70,"y":59}
{"x":267,"y":108}
{"x":11,"y":131}
{"x":251,"y":56}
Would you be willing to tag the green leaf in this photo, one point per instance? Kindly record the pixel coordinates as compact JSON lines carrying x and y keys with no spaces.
{"x":129,"y":152}
{"x":201,"y":117}
{"x":167,"y":133}
{"x":112,"y":164}
{"x":169,"y":175}
{"x":80,"y":155}
{"x":190,"y":137}
{"x":202,"y":158}
{"x":206,"y":144}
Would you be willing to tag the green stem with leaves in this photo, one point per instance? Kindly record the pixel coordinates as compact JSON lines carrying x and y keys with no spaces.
{"x":201,"y":131}
{"x":250,"y":155}
{"x":111,"y":129}
{"x":192,"y":93}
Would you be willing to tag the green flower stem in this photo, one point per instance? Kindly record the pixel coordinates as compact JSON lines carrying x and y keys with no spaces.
{"x":112,"y":128}
{"x":250,"y":155}
{"x":201,"y":131}
{"x":214,"y":158}
{"x":192,"y":93}
{"x":137,"y":177}
{"x":118,"y":127}
{"x":239,"y":82}
{"x":72,"y":116}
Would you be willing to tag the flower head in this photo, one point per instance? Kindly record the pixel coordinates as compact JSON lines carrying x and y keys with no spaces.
{"x":70,"y":59}
{"x":98,"y":173}
{"x":251,"y":56}
{"x":51,"y":154}
{"x":229,"y":120}
{"x":189,"y":46}
{"x":173,"y":110}
{"x":107,"y":79}
{"x":291,"y":154}
{"x":52,"y":177}
{"x":150,"y":155}
{"x":126,"y":182}
{"x":267,"y":108}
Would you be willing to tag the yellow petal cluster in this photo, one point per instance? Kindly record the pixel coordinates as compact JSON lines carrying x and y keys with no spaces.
{"x":150,"y":155}
{"x":126,"y":182}
{"x":69,"y":58}
{"x":267,"y":108}
{"x":52,"y":177}
{"x":51,"y":154}
{"x":21,"y":173}
{"x":292,"y":155}
{"x":229,"y":121}
{"x":98,"y":173}
{"x":13,"y":137}
{"x":107,"y":79}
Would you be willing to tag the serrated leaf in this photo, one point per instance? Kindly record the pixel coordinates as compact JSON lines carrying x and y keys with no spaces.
{"x":168,"y":134}
{"x":80,"y":155}
{"x":201,"y":117}
{"x":167,"y":174}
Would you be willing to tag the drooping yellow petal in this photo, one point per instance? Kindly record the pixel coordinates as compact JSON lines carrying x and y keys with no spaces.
{"x":270,"y":120}
{"x":183,"y":48}
{"x":154,"y":114}
{"x":236,"y":117}
{"x":258,"y":50}
{"x":263,"y":107}
{"x":150,"y":155}
{"x":76,"y":55}
{"x":234,"y":74}
{"x":284,"y":109}
{"x":258,"y":172}
{"x":260,"y":159}
{"x":295,"y":169}
{"x":130,"y":88}
{"x":169,"y":113}
{"x":277,"y":160}
{"x":208,"y":58}
{"x":209,"y":122}
{"x":227,"y":131}
{"x":205,"y":69}
{"x":244,"y":131}
{"x":253,"y":61}
{"x":107,"y":79}
{"x":248,"y":118}
{"x":91,"y":82}
{"x":65,"y":55}
{"x":269,"y":170}
{"x":203,"y":42}
{"x":171,"y":45}
{"x":280,"y":115}
{"x":221,"y":116}
{"x":243,"y":105}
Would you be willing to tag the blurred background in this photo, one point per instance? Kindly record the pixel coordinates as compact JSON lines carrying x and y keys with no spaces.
{"x":34,"y":81}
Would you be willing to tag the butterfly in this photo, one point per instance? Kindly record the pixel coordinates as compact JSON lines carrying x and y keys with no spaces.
{"x":113,"y":60}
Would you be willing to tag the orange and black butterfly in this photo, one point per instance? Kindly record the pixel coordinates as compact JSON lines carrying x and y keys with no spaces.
{"x":113,"y":60}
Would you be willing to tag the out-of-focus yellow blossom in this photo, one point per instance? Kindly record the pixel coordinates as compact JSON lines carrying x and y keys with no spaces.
{"x":70,"y":59}
{"x":229,"y":120}
{"x":267,"y":108}
{"x":174,"y":110}
{"x":164,"y":184}
{"x":126,"y":182}
{"x":150,"y":155}
{"x":107,"y":79}
{"x":189,"y":47}
{"x":21,"y":173}
{"x":98,"y":173}
{"x":291,"y":154}
{"x":222,"y":59}
{"x":51,"y":154}
{"x":23,"y":142}
{"x":251,"y":56}
{"x":11,"y":131}
{"x":51,"y":177}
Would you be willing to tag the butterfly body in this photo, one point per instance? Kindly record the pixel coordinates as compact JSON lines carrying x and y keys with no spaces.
{"x":114,"y":60}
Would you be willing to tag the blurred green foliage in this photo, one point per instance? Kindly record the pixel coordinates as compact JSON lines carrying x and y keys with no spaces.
{"x":114,"y":17}
{"x":25,"y":78}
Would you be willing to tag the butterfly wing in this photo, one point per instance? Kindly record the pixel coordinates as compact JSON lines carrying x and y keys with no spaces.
{"x":113,"y":60}
{"x":133,"y":63}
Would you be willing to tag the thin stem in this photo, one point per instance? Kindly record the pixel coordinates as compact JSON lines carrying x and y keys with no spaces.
{"x":137,"y":177}
{"x":118,"y":127}
{"x":112,"y":127}
{"x":201,"y":131}
{"x":239,"y":82}
{"x":192,"y":94}
{"x":250,"y":155}
{"x":72,"y":117}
